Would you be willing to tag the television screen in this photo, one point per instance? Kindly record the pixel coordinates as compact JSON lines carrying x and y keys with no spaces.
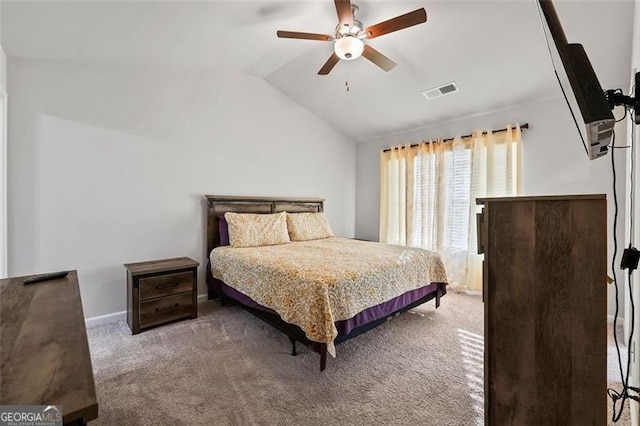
{"x":586,"y":100}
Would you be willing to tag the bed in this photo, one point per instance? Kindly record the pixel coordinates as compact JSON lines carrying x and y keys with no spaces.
{"x":255,"y":277}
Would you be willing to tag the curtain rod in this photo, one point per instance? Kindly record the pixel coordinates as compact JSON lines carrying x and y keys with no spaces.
{"x":522,"y":127}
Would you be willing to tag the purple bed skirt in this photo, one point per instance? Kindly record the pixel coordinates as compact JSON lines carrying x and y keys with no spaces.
{"x":344,"y":327}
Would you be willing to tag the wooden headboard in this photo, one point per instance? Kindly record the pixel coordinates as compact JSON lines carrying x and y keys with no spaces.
{"x":218,"y":205}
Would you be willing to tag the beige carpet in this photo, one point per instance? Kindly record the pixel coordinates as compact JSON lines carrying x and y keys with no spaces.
{"x":228,"y":368}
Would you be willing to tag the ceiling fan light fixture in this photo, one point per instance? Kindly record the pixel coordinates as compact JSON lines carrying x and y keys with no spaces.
{"x":350,"y":35}
{"x":348,"y":47}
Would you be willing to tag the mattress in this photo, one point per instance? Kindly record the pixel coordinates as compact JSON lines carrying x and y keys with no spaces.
{"x":314,"y":284}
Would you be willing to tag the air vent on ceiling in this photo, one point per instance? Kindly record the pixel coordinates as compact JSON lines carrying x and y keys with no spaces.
{"x":436,"y":92}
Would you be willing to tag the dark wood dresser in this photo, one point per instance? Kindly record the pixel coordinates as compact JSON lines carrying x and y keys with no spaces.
{"x":44,"y":354}
{"x":161,"y":291}
{"x":545,"y":305}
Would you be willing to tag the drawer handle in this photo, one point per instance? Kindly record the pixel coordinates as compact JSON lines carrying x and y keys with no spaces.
{"x":162,"y":286}
{"x":168,"y":308}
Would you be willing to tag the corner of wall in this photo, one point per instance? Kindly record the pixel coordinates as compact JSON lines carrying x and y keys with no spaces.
{"x":635,"y":67}
{"x":3,"y":156}
{"x":635,"y":46}
{"x":3,"y":59}
{"x":3,"y":69}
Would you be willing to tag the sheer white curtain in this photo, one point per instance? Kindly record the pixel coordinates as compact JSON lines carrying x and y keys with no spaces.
{"x":428,"y":195}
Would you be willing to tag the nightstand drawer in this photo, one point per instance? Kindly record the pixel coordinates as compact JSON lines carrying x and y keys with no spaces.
{"x":165,"y":285}
{"x":166,"y":309}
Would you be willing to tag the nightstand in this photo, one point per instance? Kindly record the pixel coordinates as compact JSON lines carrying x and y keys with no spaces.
{"x":161,"y":291}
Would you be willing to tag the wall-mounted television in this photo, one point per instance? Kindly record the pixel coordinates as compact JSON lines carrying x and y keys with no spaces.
{"x":591,"y":107}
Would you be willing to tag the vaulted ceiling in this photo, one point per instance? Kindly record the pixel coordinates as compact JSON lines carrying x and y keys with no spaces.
{"x":494,"y":50}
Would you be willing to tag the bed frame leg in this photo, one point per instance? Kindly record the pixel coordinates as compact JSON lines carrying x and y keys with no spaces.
{"x":293,"y":346}
{"x":438,"y":295}
{"x":211,"y":294}
{"x":323,"y":356}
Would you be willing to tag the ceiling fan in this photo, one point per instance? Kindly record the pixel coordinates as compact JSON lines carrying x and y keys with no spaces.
{"x":350,"y":35}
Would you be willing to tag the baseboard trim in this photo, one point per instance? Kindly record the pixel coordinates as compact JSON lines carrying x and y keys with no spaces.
{"x":122,"y":315}
{"x":105,"y":319}
{"x":610,"y":320}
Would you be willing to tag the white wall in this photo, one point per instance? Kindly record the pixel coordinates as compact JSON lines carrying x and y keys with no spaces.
{"x":108,"y":165}
{"x":554,"y":161}
{"x":3,"y":69}
{"x":635,"y":367}
{"x":3,"y":156}
{"x":3,"y":59}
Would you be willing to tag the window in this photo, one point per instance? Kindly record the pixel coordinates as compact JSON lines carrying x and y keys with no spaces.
{"x":428,"y":194}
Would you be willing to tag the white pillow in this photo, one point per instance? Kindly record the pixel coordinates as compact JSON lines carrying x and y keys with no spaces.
{"x":308,"y":226}
{"x":253,"y":230}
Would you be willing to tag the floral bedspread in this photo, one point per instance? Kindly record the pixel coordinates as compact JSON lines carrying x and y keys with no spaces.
{"x":313,"y":284}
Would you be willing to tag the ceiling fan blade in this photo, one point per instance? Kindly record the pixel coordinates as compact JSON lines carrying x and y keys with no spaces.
{"x":345,"y":15}
{"x":378,"y":58}
{"x":328,"y":66}
{"x":304,"y":36}
{"x":398,"y":23}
